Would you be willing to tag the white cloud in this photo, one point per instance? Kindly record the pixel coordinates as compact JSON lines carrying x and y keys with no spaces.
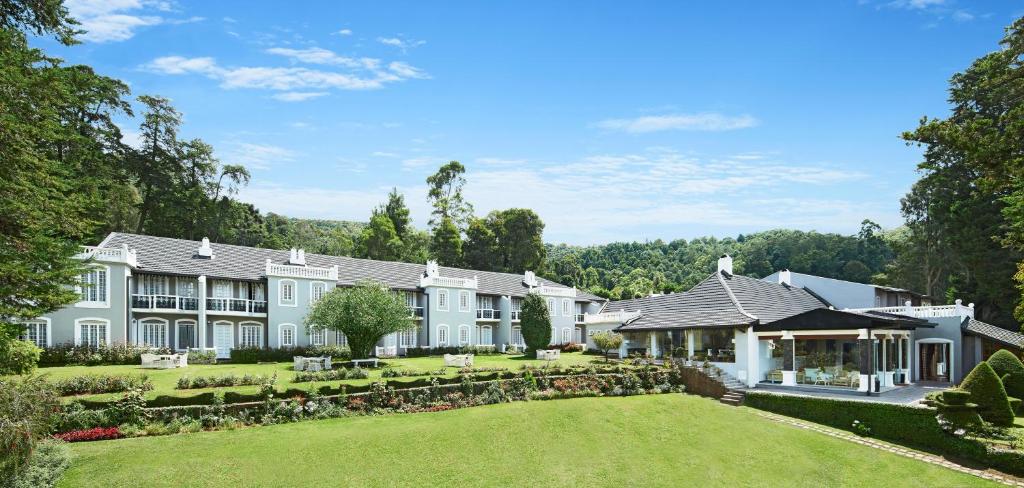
{"x":277,"y":78}
{"x":421,"y":162}
{"x":257,"y":156}
{"x":118,"y":20}
{"x":696,"y":122}
{"x":297,"y":96}
{"x":400,"y":42}
{"x":962,"y":16}
{"x":345,"y":32}
{"x":383,"y":154}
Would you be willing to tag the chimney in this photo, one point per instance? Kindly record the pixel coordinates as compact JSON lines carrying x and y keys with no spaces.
{"x":725,"y":264}
{"x":297,"y":257}
{"x":204,"y":249}
{"x":530,"y":279}
{"x":785,"y":277}
{"x":432,"y":269}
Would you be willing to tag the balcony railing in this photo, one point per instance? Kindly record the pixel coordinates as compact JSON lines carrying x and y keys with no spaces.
{"x":555,"y":291}
{"x":109,"y":254}
{"x":958,"y":309}
{"x":488,"y":314}
{"x":165,"y":302}
{"x":514,"y":315}
{"x":579,"y":318}
{"x":621,"y":316}
{"x":448,"y":282}
{"x":309,"y":272}
{"x":416,"y":312}
{"x":236,"y":305}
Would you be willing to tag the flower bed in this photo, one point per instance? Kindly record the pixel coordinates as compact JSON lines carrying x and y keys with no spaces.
{"x":190,"y":383}
{"x":251,"y":355}
{"x":355,"y":373}
{"x":90,"y":384}
{"x":95,"y":434}
{"x":72,"y":355}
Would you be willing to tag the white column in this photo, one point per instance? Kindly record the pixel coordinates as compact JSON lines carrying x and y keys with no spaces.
{"x":865,"y":379}
{"x":654,"y":344}
{"x":753,"y":360}
{"x":689,"y":342}
{"x":201,"y":321}
{"x":910,"y":360}
{"x":789,"y":377}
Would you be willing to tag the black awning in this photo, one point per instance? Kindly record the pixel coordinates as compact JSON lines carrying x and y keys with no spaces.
{"x":830,"y":319}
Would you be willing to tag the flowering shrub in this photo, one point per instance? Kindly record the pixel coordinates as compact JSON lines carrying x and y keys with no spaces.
{"x":186,"y":383}
{"x":398,"y":373}
{"x":355,"y":373}
{"x":94,"y":383}
{"x":95,"y":434}
{"x":72,"y":355}
{"x":196,"y":356}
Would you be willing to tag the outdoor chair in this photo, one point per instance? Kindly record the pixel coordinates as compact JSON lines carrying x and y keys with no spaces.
{"x":811,"y":375}
{"x":327,"y":362}
{"x":149,"y":360}
{"x":298,"y":366}
{"x":775,"y":376}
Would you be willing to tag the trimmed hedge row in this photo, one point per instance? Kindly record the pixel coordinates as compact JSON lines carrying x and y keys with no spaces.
{"x":915,"y":427}
{"x":251,"y":355}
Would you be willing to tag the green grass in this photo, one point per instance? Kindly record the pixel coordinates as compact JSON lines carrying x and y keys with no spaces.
{"x":165,"y":380}
{"x":662,"y":440}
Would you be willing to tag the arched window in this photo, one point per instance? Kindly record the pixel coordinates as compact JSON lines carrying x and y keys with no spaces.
{"x":442,"y":300}
{"x":566,"y":307}
{"x":286,"y":335}
{"x":517,"y":336}
{"x":566,"y":335}
{"x":463,"y":301}
{"x":317,"y":336}
{"x":186,"y":333}
{"x":37,"y":332}
{"x":316,"y":291}
{"x":484,"y":335}
{"x":463,"y":335}
{"x":92,"y":332}
{"x":153,"y":332}
{"x":407,"y":337}
{"x":551,"y":307}
{"x":342,"y":339}
{"x":286,"y":293}
{"x":94,"y":288}
{"x":442,"y":335}
{"x":251,"y":334}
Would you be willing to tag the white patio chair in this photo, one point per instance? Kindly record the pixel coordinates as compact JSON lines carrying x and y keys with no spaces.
{"x":149,"y":360}
{"x":327,"y":362}
{"x":298,"y":363}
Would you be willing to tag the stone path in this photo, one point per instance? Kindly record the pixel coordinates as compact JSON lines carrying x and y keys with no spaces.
{"x":895,"y":449}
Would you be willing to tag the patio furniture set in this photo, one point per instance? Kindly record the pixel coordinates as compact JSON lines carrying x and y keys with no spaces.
{"x":164,"y":361}
{"x":833,"y":376}
{"x":312,"y":363}
{"x":458,"y":360}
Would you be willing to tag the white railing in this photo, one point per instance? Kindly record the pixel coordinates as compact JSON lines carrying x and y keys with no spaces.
{"x":958,"y":309}
{"x":554,"y":291}
{"x":165,"y":302}
{"x":580,"y":317}
{"x":514,"y":315}
{"x":309,"y":272}
{"x":109,"y":254}
{"x":621,"y":316}
{"x":448,"y":282}
{"x":236,"y":305}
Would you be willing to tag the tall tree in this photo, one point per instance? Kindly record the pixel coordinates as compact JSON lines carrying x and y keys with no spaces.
{"x":446,"y":244}
{"x":155,"y":163}
{"x":396,"y":210}
{"x":379,"y":239}
{"x":520,"y":236}
{"x":535,"y":320}
{"x":365,"y":313}
{"x":480,"y":251}
{"x":445,"y":194}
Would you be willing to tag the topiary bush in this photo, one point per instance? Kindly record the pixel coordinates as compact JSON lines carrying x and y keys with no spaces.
{"x":1004,"y":362}
{"x":988,"y":393}
{"x":1014,"y":384}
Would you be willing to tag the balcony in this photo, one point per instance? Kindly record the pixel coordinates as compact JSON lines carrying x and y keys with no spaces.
{"x":555,"y":291}
{"x":448,"y":282}
{"x":416,"y":312}
{"x":514,"y":315}
{"x":236,"y":306}
{"x":165,"y":303}
{"x":109,"y":254}
{"x":488,"y":314}
{"x":958,"y":309}
{"x":308,"y":272}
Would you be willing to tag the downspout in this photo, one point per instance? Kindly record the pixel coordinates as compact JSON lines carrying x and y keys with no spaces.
{"x":426,"y":318}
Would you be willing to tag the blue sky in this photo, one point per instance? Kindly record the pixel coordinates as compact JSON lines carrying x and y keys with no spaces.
{"x":613,"y":120}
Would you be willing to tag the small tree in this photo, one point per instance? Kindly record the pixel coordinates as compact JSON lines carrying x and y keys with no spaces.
{"x":1005,"y":362}
{"x":365,"y":313}
{"x":988,"y":393}
{"x":606,"y":341}
{"x":535,"y":322}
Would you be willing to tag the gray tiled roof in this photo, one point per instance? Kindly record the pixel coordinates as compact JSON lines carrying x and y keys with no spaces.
{"x":721,"y":300}
{"x":994,"y":332}
{"x":178,"y":257}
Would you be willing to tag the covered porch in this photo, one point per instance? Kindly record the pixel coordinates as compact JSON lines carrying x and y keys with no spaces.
{"x":827,"y":349}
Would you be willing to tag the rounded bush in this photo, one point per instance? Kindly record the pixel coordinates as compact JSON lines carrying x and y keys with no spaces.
{"x":988,"y":392}
{"x":1014,"y":384}
{"x":1005,"y":362}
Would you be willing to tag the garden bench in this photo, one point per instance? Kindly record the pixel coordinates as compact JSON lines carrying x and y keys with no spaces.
{"x":549,"y":354}
{"x":458,"y":360}
{"x":163,"y":361}
{"x":357,"y":362}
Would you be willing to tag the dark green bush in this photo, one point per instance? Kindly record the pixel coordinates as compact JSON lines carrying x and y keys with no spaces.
{"x":419,"y":352}
{"x":96,"y":383}
{"x":71,"y":355}
{"x":44,"y":468}
{"x":1014,"y":384}
{"x":1004,"y":362}
{"x":987,"y":391}
{"x":249,"y":355}
{"x":1014,"y":404}
{"x":955,"y":396}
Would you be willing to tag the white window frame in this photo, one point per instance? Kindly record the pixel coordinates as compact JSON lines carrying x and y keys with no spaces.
{"x":281,"y":328}
{"x":443,"y":335}
{"x":566,"y":307}
{"x":281,"y":301}
{"x":143,"y":322}
{"x":155,"y":285}
{"x":186,"y":288}
{"x":407,"y":337}
{"x":312,"y":291}
{"x":480,"y":335}
{"x":223,"y":289}
{"x":40,"y":323}
{"x":578,"y":335}
{"x":105,"y":303}
{"x":518,"y":330}
{"x":241,"y":333}
{"x":317,"y":336}
{"x":442,"y":300}
{"x":552,"y":307}
{"x":464,"y":305}
{"x":484,"y":302}
{"x":91,"y":320}
{"x":469,"y":335}
{"x":177,"y":331}
{"x":566,"y":335}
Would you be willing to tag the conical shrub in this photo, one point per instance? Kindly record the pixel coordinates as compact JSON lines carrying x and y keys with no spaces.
{"x":1005,"y":362}
{"x":988,"y":393}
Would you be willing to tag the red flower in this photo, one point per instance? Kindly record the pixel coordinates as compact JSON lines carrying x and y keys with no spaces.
{"x":95,"y":434}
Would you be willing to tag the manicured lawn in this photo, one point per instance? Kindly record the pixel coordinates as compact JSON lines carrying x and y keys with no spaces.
{"x":164,"y":381}
{"x":662,"y":440}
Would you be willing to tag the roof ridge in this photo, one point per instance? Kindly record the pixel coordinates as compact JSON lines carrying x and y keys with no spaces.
{"x":732,"y":296}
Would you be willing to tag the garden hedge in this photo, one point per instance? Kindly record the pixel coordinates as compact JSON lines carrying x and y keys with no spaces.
{"x":1014,"y":384}
{"x":250,"y":355}
{"x":1005,"y":362}
{"x":914,"y":427}
{"x":987,"y":391}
